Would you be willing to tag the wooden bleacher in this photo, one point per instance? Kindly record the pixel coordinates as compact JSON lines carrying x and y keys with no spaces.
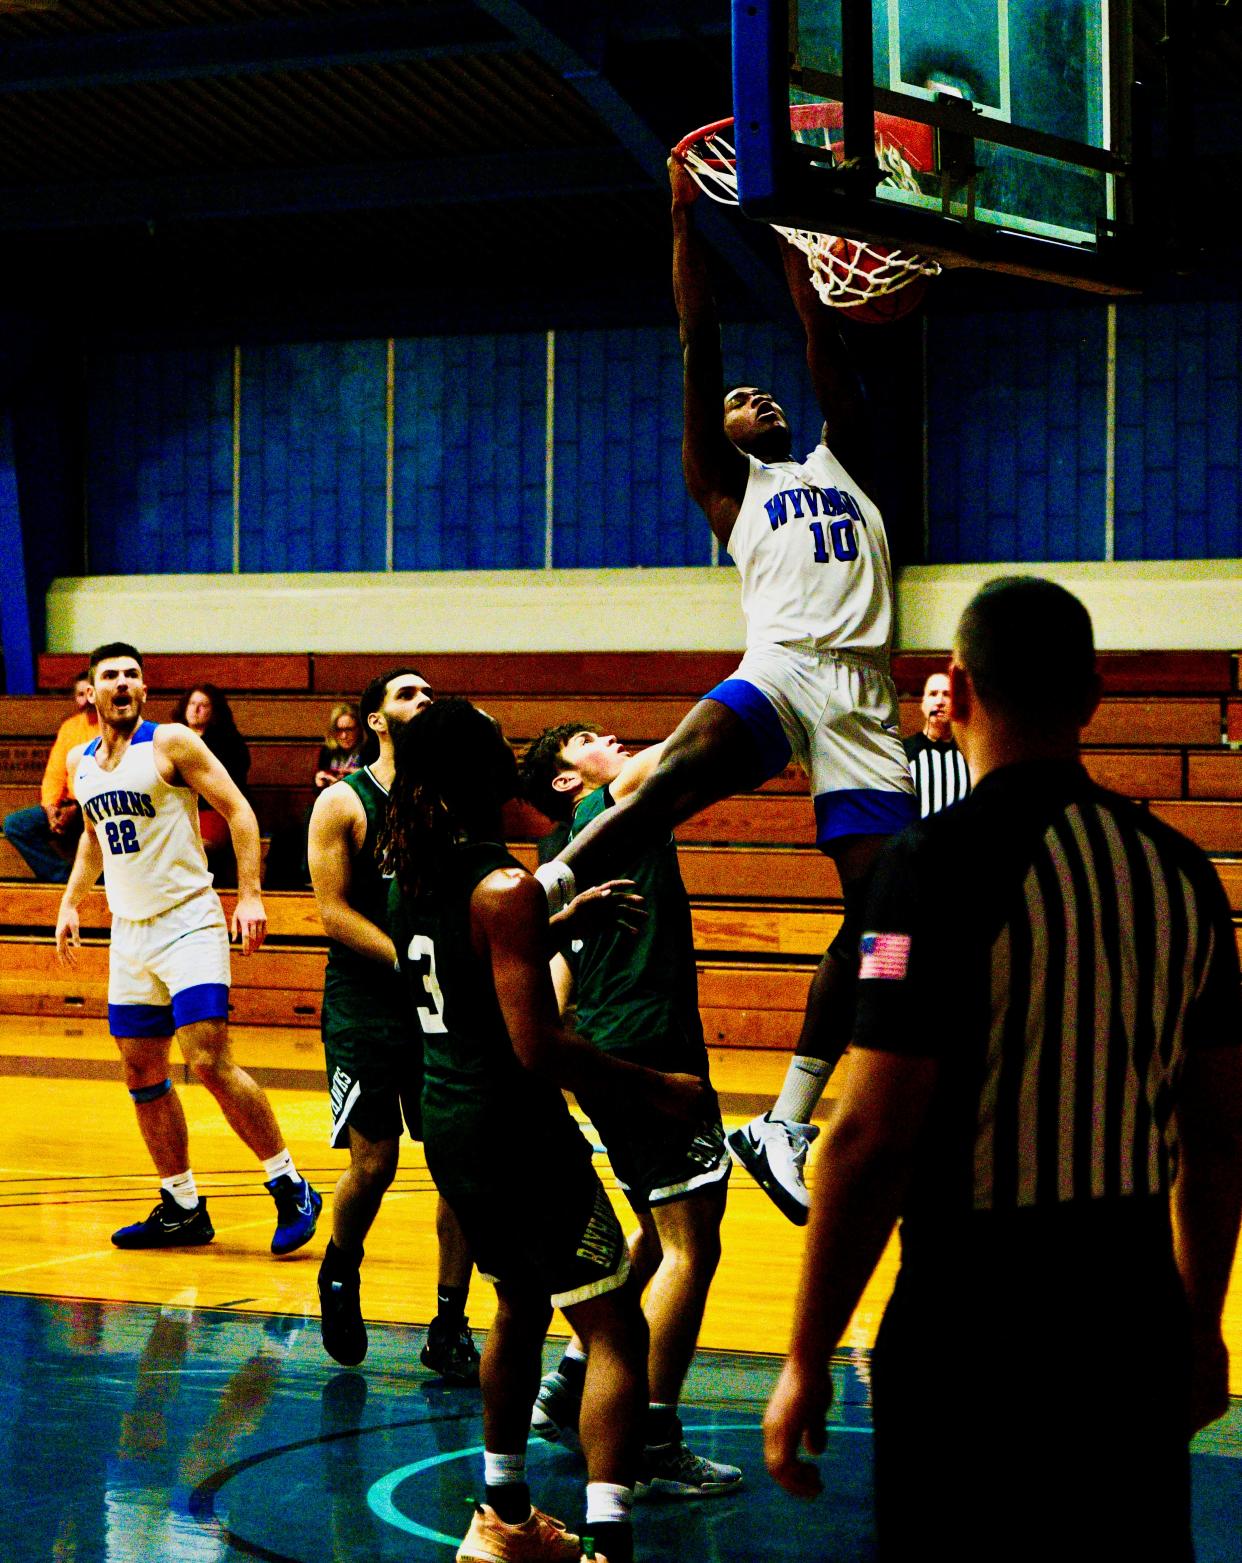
{"x":765,"y":903}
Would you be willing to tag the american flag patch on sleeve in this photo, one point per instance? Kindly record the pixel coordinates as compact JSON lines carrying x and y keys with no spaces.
{"x":884,"y":955}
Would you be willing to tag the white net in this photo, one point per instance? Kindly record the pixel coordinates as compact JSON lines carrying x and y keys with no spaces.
{"x":845,"y":272}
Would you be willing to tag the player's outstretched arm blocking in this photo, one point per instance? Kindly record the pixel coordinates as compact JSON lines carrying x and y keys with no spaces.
{"x":508,"y":923}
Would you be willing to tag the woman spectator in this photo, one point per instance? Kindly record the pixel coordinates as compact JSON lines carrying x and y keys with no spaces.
{"x":342,"y":748}
{"x":206,"y":712}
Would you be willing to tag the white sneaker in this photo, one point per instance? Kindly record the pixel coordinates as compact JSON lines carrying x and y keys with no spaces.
{"x":674,"y":1471}
{"x":554,"y":1416}
{"x":774,"y":1151}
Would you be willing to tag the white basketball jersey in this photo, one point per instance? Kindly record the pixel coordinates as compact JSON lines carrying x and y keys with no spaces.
{"x":148,"y":830}
{"x":814,"y":559}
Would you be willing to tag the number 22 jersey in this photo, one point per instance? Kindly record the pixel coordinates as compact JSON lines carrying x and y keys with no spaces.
{"x":813,"y":557}
{"x":147,"y":830}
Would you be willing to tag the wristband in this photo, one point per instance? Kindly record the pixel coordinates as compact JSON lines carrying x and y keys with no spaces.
{"x":557,"y":879}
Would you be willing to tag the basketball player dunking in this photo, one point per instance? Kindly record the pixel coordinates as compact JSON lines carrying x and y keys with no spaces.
{"x":168,"y":964}
{"x":814,"y":684}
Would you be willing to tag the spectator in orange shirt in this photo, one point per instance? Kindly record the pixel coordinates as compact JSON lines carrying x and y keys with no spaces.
{"x":46,"y":834}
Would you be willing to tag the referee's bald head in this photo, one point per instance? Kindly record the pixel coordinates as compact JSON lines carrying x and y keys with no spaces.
{"x":1028,"y":646}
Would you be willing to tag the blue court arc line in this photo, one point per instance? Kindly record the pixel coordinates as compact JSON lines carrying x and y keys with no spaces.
{"x":382,"y":1504}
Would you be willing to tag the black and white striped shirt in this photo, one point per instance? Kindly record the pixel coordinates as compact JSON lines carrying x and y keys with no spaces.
{"x":1059,"y":951}
{"x":938,"y":769}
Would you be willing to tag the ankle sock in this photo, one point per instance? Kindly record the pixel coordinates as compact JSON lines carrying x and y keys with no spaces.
{"x":182,"y":1188}
{"x":805,"y":1080}
{"x":280,"y":1166}
{"x":340,"y":1263}
{"x":504,"y":1477}
{"x":608,"y":1521}
{"x":572,"y":1367}
{"x":451,"y":1304}
{"x":662,"y":1425}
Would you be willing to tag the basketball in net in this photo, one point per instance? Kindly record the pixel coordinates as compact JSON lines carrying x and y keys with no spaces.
{"x":868,"y":282}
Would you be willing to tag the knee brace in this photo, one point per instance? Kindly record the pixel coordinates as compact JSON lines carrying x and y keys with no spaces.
{"x":150,"y":1093}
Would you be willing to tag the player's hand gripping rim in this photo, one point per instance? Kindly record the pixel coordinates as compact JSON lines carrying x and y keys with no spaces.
{"x":685,"y":190}
{"x":249,"y":923}
{"x":797,"y":1416}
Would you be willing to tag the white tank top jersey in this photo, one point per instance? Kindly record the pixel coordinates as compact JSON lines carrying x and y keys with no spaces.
{"x":813,"y":558}
{"x":148,"y":830}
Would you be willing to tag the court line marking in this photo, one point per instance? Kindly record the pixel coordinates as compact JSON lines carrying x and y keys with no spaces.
{"x":383,"y":1505}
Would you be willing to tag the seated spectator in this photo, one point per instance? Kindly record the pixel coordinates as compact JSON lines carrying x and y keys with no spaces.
{"x":46,"y":834}
{"x":342,"y":748}
{"x":206,"y":712}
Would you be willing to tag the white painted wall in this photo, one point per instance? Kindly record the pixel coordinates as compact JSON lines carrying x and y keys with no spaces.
{"x":1191,"y":604}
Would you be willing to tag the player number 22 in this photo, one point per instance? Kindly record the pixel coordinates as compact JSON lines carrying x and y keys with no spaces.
{"x":430,"y":1015}
{"x":841,"y":542}
{"x":122,"y":835}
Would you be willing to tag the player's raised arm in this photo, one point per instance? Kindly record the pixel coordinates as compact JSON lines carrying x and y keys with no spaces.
{"x":716,"y":472}
{"x":837,"y":387}
{"x":199,"y":769}
{"x":337,"y":829}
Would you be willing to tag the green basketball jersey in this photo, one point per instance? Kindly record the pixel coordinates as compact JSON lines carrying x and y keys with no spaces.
{"x":359,"y":992}
{"x":482,"y":1110}
{"x":368,"y":889}
{"x":638,"y":995}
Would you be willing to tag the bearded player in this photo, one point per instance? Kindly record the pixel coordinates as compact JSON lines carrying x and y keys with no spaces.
{"x":138,"y":785}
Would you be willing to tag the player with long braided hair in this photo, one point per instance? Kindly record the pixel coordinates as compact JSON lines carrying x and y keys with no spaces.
{"x":470,"y":927}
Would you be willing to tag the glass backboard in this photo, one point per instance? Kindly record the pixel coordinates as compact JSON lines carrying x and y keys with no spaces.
{"x":1023,"y":107}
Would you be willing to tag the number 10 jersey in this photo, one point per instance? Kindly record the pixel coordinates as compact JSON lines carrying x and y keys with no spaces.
{"x":813,"y":557}
{"x":147,"y":828}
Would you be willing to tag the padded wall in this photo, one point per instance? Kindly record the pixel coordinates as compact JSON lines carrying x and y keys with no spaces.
{"x":1017,"y":424}
{"x":469,"y":453}
{"x":159,"y":474}
{"x":312,"y":456}
{"x":1016,"y":436}
{"x":469,"y":434}
{"x":1179,"y":432}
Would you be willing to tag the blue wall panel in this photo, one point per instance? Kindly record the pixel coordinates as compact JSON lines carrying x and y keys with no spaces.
{"x":1016,"y":414}
{"x":312,"y":456}
{"x":468,"y":462}
{"x":1179,"y":428}
{"x":159,"y":462}
{"x":1016,"y":436}
{"x":619,"y":495}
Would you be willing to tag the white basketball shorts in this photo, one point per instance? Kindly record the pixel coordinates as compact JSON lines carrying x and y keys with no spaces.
{"x":836,"y":714}
{"x":170,"y":970}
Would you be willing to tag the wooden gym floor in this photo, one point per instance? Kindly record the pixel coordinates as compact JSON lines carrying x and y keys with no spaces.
{"x":179,"y":1406}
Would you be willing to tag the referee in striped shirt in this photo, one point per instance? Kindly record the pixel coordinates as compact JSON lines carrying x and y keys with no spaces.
{"x":937,"y":765}
{"x":1046,"y":1088}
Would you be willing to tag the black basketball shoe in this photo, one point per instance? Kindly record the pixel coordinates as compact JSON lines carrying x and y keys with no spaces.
{"x":450,"y":1351}
{"x":341,"y":1324}
{"x":168,"y":1226}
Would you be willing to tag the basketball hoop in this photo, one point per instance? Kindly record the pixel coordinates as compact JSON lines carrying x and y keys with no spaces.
{"x":848,"y":274}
